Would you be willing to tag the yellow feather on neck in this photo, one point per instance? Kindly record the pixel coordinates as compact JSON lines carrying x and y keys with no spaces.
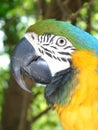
{"x":82,"y":111}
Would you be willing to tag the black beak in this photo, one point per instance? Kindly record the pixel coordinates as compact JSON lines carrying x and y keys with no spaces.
{"x":25,"y":61}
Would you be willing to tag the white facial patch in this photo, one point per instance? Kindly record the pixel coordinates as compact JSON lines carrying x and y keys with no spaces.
{"x":33,"y":40}
{"x":56,"y":65}
{"x":55,"y":50}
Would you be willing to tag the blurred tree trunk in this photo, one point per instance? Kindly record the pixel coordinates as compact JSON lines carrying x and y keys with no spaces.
{"x":15,"y":107}
{"x":59,"y":9}
{"x":17,"y":101}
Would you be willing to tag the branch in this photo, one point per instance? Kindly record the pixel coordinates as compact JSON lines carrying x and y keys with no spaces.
{"x":67,"y":13}
{"x":78,"y":11}
{"x":40,"y":115}
{"x":62,"y":6}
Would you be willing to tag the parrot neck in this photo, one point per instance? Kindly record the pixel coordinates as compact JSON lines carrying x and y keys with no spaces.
{"x":85,"y":76}
{"x":60,"y":89}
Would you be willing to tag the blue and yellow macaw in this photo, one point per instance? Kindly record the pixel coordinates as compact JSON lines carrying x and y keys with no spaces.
{"x":65,"y":59}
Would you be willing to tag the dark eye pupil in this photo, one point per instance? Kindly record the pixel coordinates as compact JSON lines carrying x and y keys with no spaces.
{"x":61,"y":41}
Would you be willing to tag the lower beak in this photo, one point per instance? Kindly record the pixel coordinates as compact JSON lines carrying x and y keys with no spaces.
{"x":25,"y":61}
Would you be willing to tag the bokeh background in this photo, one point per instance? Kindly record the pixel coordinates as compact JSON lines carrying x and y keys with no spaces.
{"x":20,"y":110}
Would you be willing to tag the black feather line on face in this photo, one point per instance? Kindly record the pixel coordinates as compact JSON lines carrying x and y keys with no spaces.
{"x":68,"y":47}
{"x":53,"y":47}
{"x":63,"y":59}
{"x":65,"y":53}
{"x":41,"y":51}
{"x":46,"y":49}
{"x":48,"y":36}
{"x":48,"y":54}
{"x":41,"y":38}
{"x":52,"y":39}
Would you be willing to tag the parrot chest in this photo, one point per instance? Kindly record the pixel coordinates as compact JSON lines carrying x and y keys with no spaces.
{"x":80,"y":118}
{"x":81,"y":113}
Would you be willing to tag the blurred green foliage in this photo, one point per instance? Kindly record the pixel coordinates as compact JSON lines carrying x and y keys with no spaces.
{"x":15,"y":17}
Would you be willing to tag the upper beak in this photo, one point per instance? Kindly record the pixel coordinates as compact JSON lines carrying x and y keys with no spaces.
{"x":25,"y":61}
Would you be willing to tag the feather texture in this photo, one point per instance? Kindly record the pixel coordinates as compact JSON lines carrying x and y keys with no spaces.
{"x":79,"y":38}
{"x":82,"y":111}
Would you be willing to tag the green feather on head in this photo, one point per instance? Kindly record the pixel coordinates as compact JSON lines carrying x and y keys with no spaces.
{"x":79,"y":38}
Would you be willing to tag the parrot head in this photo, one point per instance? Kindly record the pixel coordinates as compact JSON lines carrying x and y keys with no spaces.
{"x":45,"y":52}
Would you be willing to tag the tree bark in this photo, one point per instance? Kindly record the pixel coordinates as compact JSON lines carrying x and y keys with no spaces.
{"x":17,"y":102}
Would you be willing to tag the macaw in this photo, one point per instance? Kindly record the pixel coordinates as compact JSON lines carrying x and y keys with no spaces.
{"x":65,"y":59}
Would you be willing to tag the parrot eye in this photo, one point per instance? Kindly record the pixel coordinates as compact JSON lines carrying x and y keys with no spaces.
{"x":61,"y":42}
